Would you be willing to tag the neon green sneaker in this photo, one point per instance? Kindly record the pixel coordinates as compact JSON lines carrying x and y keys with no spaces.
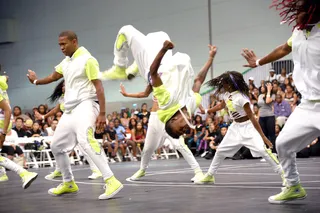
{"x":95,"y":175}
{"x":132,"y":71}
{"x":114,"y":73}
{"x":121,"y":41}
{"x":27,"y":178}
{"x":64,"y":188}
{"x":197,"y":176}
{"x":138,"y":175}
{"x":288,"y":194}
{"x":206,"y":179}
{"x":113,"y":186}
{"x":4,"y":178}
{"x":53,"y":175}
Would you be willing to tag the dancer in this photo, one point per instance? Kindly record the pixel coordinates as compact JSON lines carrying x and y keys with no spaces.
{"x":58,"y":95}
{"x":5,"y":126}
{"x":176,"y":90}
{"x":302,"y":126}
{"x":244,"y":131}
{"x":83,"y":94}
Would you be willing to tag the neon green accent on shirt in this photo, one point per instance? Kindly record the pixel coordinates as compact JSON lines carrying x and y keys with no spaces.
{"x":62,"y":107}
{"x":198,"y":99}
{"x":59,"y":69}
{"x":165,"y":114}
{"x":289,"y":42}
{"x":3,"y":83}
{"x":161,"y":94}
{"x":2,"y":159}
{"x":92,"y":69}
{"x":2,"y":125}
{"x":230,"y":106}
{"x":93,"y":142}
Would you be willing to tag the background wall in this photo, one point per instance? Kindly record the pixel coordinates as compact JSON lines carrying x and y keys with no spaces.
{"x":236,"y":24}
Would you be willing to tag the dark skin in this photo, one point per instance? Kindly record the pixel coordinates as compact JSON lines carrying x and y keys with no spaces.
{"x":68,"y":48}
{"x":5,"y":106}
{"x":179,"y":125}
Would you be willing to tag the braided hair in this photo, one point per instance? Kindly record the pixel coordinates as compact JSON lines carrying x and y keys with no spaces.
{"x":57,"y":93}
{"x":291,"y":9}
{"x":234,"y":79}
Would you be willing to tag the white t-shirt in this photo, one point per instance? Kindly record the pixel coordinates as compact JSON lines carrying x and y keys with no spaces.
{"x":235,"y":102}
{"x":50,"y":131}
{"x":11,"y":139}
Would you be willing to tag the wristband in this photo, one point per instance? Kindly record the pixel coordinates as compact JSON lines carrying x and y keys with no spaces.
{"x":257,"y":63}
{"x":42,"y":116}
{"x":35,"y":82}
{"x":268,"y":96}
{"x":206,"y":111}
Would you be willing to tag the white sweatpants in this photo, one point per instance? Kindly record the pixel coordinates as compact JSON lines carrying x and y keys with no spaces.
{"x":238,"y":135}
{"x":156,"y":136}
{"x":92,"y":166}
{"x":7,"y":163}
{"x":74,"y":128}
{"x":144,"y":48}
{"x":301,"y":128}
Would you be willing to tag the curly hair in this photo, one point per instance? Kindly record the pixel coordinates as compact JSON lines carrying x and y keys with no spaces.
{"x":290,"y":9}
{"x":233,"y":78}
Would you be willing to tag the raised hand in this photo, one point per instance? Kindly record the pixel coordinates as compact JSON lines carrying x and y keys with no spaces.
{"x":168,"y":45}
{"x":212,"y":50}
{"x":31,"y":76}
{"x":37,"y":116}
{"x":269,"y":87}
{"x":122,"y":90}
{"x":250,"y":56}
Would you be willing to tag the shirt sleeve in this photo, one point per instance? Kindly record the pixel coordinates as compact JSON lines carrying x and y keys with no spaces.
{"x":92,"y":69}
{"x":198,"y":99}
{"x":242,"y":100}
{"x":289,"y":42}
{"x":58,"y":68}
{"x":162,"y":95}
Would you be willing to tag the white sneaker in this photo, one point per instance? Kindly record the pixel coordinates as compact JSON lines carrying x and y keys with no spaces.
{"x":197,"y":176}
{"x":95,"y":175}
{"x":204,"y":154}
{"x":112,"y":160}
{"x":263,"y":160}
{"x":134,"y":159}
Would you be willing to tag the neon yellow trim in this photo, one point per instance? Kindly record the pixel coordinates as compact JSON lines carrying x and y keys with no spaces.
{"x":162,"y":95}
{"x":120,"y":40}
{"x":289,"y":42}
{"x":273,"y":157}
{"x":2,"y":158}
{"x":92,"y":69}
{"x":230,"y":106}
{"x":80,"y":51}
{"x":59,"y":69}
{"x":3,"y":83}
{"x":165,"y":114}
{"x":93,"y":142}
{"x":2,"y":125}
{"x":62,"y":107}
{"x":198,"y":99}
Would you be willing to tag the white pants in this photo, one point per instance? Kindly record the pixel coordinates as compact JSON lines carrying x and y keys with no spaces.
{"x":301,"y":128}
{"x":156,"y":136}
{"x":144,"y":49}
{"x":93,"y":166}
{"x":7,"y":163}
{"x":238,"y":135}
{"x":74,"y":128}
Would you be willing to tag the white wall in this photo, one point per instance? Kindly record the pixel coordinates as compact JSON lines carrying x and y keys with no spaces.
{"x":236,"y":24}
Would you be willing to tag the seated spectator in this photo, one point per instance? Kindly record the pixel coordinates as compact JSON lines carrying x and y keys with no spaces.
{"x":52,"y":129}
{"x":28,"y":125}
{"x":282,"y":110}
{"x":10,"y":148}
{"x":138,"y":134}
{"x":19,"y":128}
{"x":99,"y":133}
{"x":145,"y":122}
{"x":282,"y":76}
{"x":209,"y":120}
{"x":251,"y":81}
{"x":109,"y":118}
{"x":291,"y":97}
{"x":125,"y":120}
{"x":211,"y":134}
{"x":34,"y":131}
{"x":276,"y":89}
{"x":111,"y":143}
{"x":278,"y":130}
{"x":58,"y":115}
{"x":199,"y":133}
{"x":43,"y":128}
{"x":144,"y":111}
{"x":213,"y":144}
{"x":256,"y":111}
{"x":272,"y":75}
{"x":132,"y":124}
{"x":123,"y":142}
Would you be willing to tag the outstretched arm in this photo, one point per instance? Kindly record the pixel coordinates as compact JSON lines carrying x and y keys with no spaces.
{"x":276,"y":54}
{"x":216,"y":108}
{"x":52,"y":112}
{"x":47,"y":80}
{"x":143,"y":94}
{"x":201,"y":77}
{"x":167,"y":45}
{"x":7,"y":114}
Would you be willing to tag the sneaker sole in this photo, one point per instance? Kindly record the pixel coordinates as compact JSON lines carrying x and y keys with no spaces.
{"x":133,"y":179}
{"x":64,"y":194}
{"x":203,"y":183}
{"x":113,"y":194}
{"x":52,"y":178}
{"x":285,"y":201}
{"x":30,"y":182}
{"x":91,"y":178}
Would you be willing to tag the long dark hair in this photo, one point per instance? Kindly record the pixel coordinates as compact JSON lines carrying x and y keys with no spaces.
{"x":57,"y":92}
{"x":290,"y":9}
{"x":233,"y":78}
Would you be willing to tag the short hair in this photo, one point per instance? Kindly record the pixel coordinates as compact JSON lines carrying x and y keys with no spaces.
{"x":69,"y":34}
{"x":168,"y":128}
{"x":19,"y":118}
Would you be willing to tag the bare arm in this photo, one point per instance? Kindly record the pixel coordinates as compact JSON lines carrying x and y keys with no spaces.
{"x":47,"y":80}
{"x":201,"y":77}
{"x":101,"y":119}
{"x":143,"y":94}
{"x":276,"y":54}
{"x":255,"y":123}
{"x":7,"y":114}
{"x":156,"y":64}
{"x":217,"y":107}
{"x":52,"y":112}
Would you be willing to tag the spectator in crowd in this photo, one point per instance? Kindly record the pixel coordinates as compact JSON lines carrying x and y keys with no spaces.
{"x":18,"y":113}
{"x":291,"y":97}
{"x":306,"y":152}
{"x":34,"y":131}
{"x":256,"y":111}
{"x":213,"y":144}
{"x":19,"y":127}
{"x":272,"y":75}
{"x":99,"y":134}
{"x":52,"y":128}
{"x":109,"y":118}
{"x":266,"y":115}
{"x":144,"y":111}
{"x":138,"y":136}
{"x":276,"y":89}
{"x":282,"y":110}
{"x":251,"y":81}
{"x":291,"y":82}
{"x":124,"y":119}
{"x":58,"y":115}
{"x":111,"y":143}
{"x":199,"y":133}
{"x":277,"y":130}
{"x":145,"y":121}
{"x":132,"y":123}
{"x":28,"y":125}
{"x":11,"y":148}
{"x":121,"y":133}
{"x":211,"y":134}
{"x":282,"y":76}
